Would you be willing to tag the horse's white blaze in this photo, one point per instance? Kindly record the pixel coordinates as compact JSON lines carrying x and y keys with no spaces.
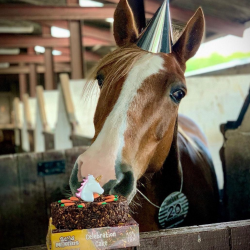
{"x":106,"y":151}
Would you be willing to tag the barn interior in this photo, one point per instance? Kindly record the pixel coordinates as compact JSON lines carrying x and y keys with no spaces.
{"x":48,"y":48}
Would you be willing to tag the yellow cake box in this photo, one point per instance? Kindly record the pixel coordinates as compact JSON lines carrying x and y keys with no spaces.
{"x":121,"y":236}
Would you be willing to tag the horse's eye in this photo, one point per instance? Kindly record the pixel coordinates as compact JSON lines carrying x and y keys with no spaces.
{"x":178,"y":95}
{"x":100,"y":80}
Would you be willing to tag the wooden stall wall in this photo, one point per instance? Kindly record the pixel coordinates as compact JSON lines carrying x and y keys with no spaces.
{"x":76,"y":110}
{"x":46,"y":118}
{"x":18,"y":123}
{"x":211,"y":101}
{"x":235,"y":156}
{"x":28,"y":136}
{"x":7,"y":133}
{"x":225,"y":236}
{"x":28,"y":186}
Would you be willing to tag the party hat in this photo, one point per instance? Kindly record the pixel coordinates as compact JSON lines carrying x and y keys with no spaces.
{"x":157,"y":36}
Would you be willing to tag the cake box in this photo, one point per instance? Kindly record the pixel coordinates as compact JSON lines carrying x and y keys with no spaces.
{"x":122,"y":236}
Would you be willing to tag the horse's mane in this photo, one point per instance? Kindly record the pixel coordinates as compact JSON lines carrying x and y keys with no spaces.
{"x":191,"y":141}
{"x":122,"y":59}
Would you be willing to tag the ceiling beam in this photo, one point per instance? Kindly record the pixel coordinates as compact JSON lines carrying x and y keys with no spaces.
{"x":33,"y":12}
{"x":16,"y":41}
{"x":88,"y":31}
{"x":23,"y":58}
{"x":212,"y":23}
{"x":15,"y":70}
{"x":58,"y":68}
{"x":30,"y":12}
{"x":31,"y":58}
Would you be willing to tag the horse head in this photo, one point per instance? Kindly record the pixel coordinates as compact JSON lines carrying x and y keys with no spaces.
{"x":136,"y":115}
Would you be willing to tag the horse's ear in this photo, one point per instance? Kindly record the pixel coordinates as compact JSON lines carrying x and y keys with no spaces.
{"x":125,"y":31}
{"x":190,"y":40}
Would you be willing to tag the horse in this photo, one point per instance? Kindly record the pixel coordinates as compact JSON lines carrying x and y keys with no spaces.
{"x":143,"y":149}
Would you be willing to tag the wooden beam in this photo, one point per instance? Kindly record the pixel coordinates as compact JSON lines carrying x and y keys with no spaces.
{"x":76,"y":50}
{"x":89,"y":31}
{"x":15,"y":70}
{"x":32,"y":79}
{"x":48,"y":62}
{"x":49,"y":69}
{"x":63,"y":50}
{"x":31,"y":12}
{"x":23,"y":58}
{"x":91,"y":57}
{"x":31,"y":58}
{"x":102,"y":34}
{"x":22,"y":84}
{"x":41,"y":106}
{"x":59,"y":68}
{"x":13,"y":41}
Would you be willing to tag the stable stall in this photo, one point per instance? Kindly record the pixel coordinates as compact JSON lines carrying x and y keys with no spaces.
{"x":46,"y":119}
{"x":211,"y":101}
{"x":62,"y":119}
{"x":18,"y":123}
{"x":76,"y":110}
{"x":235,"y":157}
{"x":28,"y":128}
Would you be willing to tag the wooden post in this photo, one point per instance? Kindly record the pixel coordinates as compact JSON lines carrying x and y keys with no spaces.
{"x":32,"y":74}
{"x":76,"y":50}
{"x":22,"y":84}
{"x":33,"y":80}
{"x":48,"y":62}
{"x":49,"y":69}
{"x":76,"y":46}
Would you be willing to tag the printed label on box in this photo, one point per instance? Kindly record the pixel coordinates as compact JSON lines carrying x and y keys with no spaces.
{"x":92,"y":239}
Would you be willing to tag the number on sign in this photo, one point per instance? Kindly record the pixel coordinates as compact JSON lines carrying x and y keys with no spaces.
{"x":173,"y":210}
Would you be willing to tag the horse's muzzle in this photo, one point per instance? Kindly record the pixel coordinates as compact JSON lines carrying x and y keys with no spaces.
{"x":124,"y":185}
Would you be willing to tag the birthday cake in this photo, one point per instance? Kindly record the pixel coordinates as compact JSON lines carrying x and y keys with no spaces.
{"x":90,"y":209}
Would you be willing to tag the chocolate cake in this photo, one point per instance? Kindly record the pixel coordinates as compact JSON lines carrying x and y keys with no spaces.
{"x":75,"y":213}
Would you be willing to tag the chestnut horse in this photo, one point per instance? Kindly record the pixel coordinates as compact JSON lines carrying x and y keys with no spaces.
{"x":140,"y":142}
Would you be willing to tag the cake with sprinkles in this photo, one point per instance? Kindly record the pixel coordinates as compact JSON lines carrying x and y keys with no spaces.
{"x":90,"y":208}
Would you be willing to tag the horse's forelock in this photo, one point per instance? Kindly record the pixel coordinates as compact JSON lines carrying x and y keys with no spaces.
{"x":120,"y":62}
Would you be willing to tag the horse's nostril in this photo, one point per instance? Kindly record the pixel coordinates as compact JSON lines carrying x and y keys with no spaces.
{"x":108,"y":186}
{"x":125,"y":186}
